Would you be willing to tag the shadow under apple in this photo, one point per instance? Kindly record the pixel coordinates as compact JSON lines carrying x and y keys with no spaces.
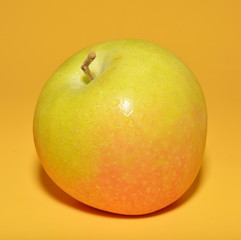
{"x":55,"y":192}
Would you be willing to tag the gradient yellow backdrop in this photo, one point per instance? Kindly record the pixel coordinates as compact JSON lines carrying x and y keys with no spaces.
{"x":37,"y":36}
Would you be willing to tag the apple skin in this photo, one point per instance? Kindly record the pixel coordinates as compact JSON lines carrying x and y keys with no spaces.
{"x":131,"y":141}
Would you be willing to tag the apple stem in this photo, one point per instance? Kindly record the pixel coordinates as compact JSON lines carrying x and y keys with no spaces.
{"x":85,"y":66}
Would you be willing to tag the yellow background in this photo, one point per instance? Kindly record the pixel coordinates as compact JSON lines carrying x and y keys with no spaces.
{"x":37,"y":36}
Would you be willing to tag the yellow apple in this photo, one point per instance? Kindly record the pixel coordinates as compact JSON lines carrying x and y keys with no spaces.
{"x":127,"y":133}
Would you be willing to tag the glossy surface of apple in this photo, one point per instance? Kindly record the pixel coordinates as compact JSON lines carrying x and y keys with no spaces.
{"x":131,"y":141}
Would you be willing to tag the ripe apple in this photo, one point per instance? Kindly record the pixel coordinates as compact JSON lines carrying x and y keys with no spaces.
{"x":127,"y":132}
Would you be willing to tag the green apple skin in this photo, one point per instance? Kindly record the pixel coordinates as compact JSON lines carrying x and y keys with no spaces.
{"x":131,"y":141}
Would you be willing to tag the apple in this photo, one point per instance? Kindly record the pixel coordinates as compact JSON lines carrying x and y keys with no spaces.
{"x":121,"y":126}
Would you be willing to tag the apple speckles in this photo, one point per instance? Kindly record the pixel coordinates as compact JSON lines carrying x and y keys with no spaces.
{"x":117,"y":58}
{"x":115,"y":102}
{"x":148,"y":190}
